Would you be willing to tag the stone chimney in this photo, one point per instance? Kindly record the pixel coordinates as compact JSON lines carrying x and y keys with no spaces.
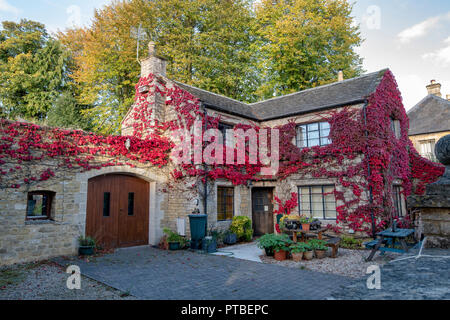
{"x":434,"y":88}
{"x":154,"y":63}
{"x":340,"y":76}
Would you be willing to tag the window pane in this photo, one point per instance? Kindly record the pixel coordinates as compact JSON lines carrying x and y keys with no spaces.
{"x":314,"y":142}
{"x":324,"y":126}
{"x":324,"y":141}
{"x":318,"y":204}
{"x":313,"y":135}
{"x":131,"y":203}
{"x":313,"y":126}
{"x":106,"y":204}
{"x":225,"y":203}
{"x":35,"y":205}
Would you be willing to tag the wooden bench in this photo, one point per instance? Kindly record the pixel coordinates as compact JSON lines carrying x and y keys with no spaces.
{"x":333,"y":243}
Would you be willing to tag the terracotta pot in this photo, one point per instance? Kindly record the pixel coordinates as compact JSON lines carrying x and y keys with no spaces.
{"x":305,"y":226}
{"x":320,"y":254}
{"x":308,"y":255}
{"x":297,"y":256}
{"x":280,"y":255}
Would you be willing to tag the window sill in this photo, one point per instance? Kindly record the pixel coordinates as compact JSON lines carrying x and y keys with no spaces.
{"x":39,"y":221}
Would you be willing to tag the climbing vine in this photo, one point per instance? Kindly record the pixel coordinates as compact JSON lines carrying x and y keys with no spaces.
{"x":364,"y":154}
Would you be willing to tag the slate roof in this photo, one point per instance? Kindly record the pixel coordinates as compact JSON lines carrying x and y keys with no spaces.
{"x":347,"y":92}
{"x":430,"y":115}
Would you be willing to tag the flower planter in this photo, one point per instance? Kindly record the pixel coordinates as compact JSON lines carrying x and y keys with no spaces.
{"x":86,"y":250}
{"x":269,"y":252}
{"x":308,"y":255}
{"x":280,"y":255}
{"x":305,"y":226}
{"x":320,"y":254}
{"x":209,"y":245}
{"x":230,"y":238}
{"x":297,"y":256}
{"x":174,"y":246}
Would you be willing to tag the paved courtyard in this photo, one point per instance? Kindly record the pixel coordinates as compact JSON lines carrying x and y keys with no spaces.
{"x":149,"y":273}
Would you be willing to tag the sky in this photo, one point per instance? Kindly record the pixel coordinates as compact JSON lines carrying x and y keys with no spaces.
{"x":410,"y":37}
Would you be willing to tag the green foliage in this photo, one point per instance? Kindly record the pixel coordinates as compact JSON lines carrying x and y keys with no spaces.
{"x":350,"y":243}
{"x":300,"y":247}
{"x":67,"y":113}
{"x":242,"y":227}
{"x":317,"y":244}
{"x":174,"y":237}
{"x":304,"y":43}
{"x":305,"y":219}
{"x":281,"y":242}
{"x":33,"y":70}
{"x":267,"y":241}
{"x":86,"y":241}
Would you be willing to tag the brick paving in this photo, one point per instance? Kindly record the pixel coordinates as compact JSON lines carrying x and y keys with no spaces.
{"x":149,"y":273}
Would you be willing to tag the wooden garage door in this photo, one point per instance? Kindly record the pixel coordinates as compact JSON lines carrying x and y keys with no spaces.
{"x":117,"y":213}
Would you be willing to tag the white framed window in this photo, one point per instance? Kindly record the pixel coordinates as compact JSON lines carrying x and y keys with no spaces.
{"x":398,"y":201}
{"x":317,"y":201}
{"x":395,"y":127}
{"x":313,"y":134}
{"x":427,"y":149}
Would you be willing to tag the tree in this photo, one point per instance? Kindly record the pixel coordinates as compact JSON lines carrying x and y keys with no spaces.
{"x":206,"y":42}
{"x":33,"y":70}
{"x":67,"y":113}
{"x":304,"y":43}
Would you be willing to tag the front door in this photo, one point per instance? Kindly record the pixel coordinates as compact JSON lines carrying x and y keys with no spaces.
{"x":117,"y":212}
{"x":262,"y":211}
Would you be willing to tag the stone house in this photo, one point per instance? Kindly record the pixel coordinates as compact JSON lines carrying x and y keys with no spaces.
{"x":344,"y":157}
{"x":429,"y":120}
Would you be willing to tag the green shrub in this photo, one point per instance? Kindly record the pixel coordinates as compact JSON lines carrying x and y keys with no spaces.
{"x":317,"y":244}
{"x":242,"y":227}
{"x":86,"y":241}
{"x":300,"y":247}
{"x":174,"y":237}
{"x":350,"y":243}
{"x":267,"y":241}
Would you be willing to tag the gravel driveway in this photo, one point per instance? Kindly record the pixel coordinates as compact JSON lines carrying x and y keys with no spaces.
{"x":47,"y":281}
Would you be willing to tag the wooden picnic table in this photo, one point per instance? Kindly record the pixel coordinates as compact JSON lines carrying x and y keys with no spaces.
{"x":389,"y":237}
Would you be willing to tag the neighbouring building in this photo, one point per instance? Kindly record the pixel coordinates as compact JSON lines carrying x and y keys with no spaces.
{"x":344,"y":158}
{"x":429,"y":120}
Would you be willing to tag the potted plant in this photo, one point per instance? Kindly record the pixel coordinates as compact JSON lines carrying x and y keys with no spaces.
{"x":242,"y":227}
{"x":306,"y":222}
{"x":267,"y":242}
{"x":319,"y":247}
{"x":309,"y":253}
{"x":209,"y":244}
{"x":175,"y":241}
{"x":86,"y":246}
{"x":281,"y":247}
{"x":230,"y":237}
{"x":297,"y":250}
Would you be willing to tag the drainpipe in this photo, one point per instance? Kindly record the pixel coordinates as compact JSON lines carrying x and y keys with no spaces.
{"x":205,"y":198}
{"x":369,"y":172}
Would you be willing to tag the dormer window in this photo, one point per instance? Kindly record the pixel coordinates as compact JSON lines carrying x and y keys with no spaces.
{"x":313,"y":134}
{"x":395,"y":127}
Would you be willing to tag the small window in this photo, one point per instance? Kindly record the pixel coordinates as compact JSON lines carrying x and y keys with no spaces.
{"x":225,"y":203}
{"x":106,"y":204}
{"x":427,"y":149}
{"x":131,"y":203}
{"x":395,"y":127}
{"x":223,"y":127}
{"x":39,"y":205}
{"x":313,"y":134}
{"x":397,"y":198}
{"x":317,"y":202}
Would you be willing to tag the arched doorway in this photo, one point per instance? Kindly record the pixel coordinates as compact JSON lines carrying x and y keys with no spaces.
{"x":117,"y":213}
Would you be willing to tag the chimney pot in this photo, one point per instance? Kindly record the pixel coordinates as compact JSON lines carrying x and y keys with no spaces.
{"x":434,"y":88}
{"x":340,"y":76}
{"x":151,"y":49}
{"x":153,"y":64}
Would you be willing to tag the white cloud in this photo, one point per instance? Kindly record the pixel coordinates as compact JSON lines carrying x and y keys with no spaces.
{"x":6,"y":7}
{"x":74,"y":19}
{"x":440,"y":56}
{"x":419,"y":30}
{"x":412,"y":88}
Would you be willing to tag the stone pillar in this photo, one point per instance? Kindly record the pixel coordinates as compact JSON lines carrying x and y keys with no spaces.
{"x":434,"y":206}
